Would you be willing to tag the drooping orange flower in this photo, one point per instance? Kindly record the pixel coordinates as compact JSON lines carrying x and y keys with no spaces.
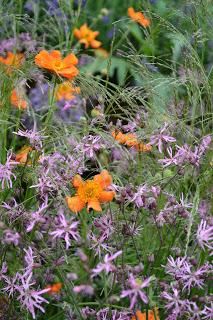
{"x":87,"y":37}
{"x":119,"y":136}
{"x":53,"y":61}
{"x":128,"y":139}
{"x":12,"y":60}
{"x":54,"y":288}
{"x":142,"y":316}
{"x":91,"y":192}
{"x":17,"y":101}
{"x":138,"y":17}
{"x":66,"y":91}
{"x":23,"y":154}
{"x":131,"y":140}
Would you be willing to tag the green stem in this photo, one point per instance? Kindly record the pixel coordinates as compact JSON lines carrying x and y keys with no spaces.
{"x":51,"y":106}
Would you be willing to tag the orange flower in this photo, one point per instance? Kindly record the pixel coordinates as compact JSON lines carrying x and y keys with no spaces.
{"x":54,"y":288}
{"x":53,"y":61}
{"x":87,"y":37}
{"x":138,"y":17}
{"x":119,"y":136}
{"x":130,"y":140}
{"x":23,"y":154}
{"x":142,"y":316}
{"x":91,"y":192}
{"x":17,"y":101}
{"x":12,"y":60}
{"x":66,"y":91}
{"x":141,"y":147}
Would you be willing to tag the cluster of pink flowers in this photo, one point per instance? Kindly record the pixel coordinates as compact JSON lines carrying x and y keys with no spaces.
{"x":21,"y":285}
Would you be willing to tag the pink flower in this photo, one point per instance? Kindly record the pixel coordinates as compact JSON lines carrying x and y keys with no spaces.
{"x":194,"y":311}
{"x":136,"y":290}
{"x":66,"y":230}
{"x":106,"y":266}
{"x":45,"y":185}
{"x":34,"y":137}
{"x":11,"y":284}
{"x":176,"y":267}
{"x":205,"y":235}
{"x":161,"y":138}
{"x":204,"y":144}
{"x":15,"y":211}
{"x":6,"y":173}
{"x":85,"y":289}
{"x":3,"y":269}
{"x":29,"y":259}
{"x":90,"y":145}
{"x":139,"y":196}
{"x":28,"y":297}
{"x":98,"y":244}
{"x":36,"y":216}
{"x":168,"y":161}
{"x":175,"y":304}
{"x":208,"y":312}
{"x":11,"y":237}
{"x":195,"y":278}
{"x":105,"y":225}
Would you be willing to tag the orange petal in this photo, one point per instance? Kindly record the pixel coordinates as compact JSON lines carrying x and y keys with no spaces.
{"x":106,"y":196}
{"x":146,"y":22}
{"x":56,"y":54}
{"x":77,"y":33}
{"x":42,"y":54}
{"x":95,"y":33}
{"x":85,"y":42}
{"x":142,"y":316}
{"x":70,"y":60}
{"x":94,"y":204}
{"x":95,"y":44}
{"x":131,"y":12}
{"x":139,"y":316}
{"x":77,"y":181}
{"x":119,"y":136}
{"x":75,"y":203}
{"x":23,"y":154}
{"x":141,"y":147}
{"x":69,"y":73}
{"x":104,"y":179}
{"x":17,"y":101}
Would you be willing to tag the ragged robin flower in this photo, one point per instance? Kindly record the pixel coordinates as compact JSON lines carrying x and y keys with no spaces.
{"x":91,"y":192}
{"x":66,"y":91}
{"x":17,"y":101}
{"x":65,"y":67}
{"x":12,"y":60}
{"x":87,"y":37}
{"x":23,"y":154}
{"x":138,"y":17}
{"x":142,"y":316}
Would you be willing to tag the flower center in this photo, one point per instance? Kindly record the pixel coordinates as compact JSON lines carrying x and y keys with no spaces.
{"x":89,"y":190}
{"x":58,"y":65}
{"x":138,"y":281}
